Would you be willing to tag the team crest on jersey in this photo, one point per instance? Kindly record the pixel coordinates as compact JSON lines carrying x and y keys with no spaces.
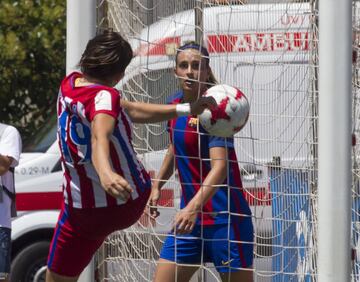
{"x":193,"y":122}
{"x":103,"y":100}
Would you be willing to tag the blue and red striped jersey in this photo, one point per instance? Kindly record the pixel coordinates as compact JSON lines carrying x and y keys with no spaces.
{"x":191,"y":149}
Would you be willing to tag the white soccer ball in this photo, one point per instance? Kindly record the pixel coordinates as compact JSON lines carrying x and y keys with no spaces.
{"x":231,"y":113}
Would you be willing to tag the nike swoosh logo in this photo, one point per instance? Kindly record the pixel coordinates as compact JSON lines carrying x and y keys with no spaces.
{"x":226,"y":262}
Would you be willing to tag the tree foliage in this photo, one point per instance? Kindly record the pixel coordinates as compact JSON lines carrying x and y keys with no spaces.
{"x":32,"y":56}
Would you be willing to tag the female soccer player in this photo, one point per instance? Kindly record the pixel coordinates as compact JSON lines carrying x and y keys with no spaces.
{"x":214,"y":223}
{"x":105,"y":186}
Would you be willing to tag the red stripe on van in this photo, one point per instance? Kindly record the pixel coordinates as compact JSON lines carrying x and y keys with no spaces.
{"x":53,"y":200}
{"x":39,"y":201}
{"x":161,"y":47}
{"x":229,"y":43}
{"x":257,"y":196}
{"x":167,"y":198}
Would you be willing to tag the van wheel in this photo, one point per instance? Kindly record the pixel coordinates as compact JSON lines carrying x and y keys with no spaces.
{"x":30,"y":264}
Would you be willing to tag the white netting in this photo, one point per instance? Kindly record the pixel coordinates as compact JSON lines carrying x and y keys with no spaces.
{"x":356,"y":149}
{"x":269,"y":50}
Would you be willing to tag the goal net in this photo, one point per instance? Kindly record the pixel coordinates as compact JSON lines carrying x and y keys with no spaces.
{"x":268,"y":49}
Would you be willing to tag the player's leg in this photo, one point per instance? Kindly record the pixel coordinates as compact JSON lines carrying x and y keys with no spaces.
{"x":179,"y":257}
{"x":169,"y":271}
{"x":231,"y":250}
{"x":5,"y":253}
{"x":245,"y":275}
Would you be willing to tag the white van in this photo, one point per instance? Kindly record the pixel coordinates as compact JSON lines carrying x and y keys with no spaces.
{"x":249,"y":49}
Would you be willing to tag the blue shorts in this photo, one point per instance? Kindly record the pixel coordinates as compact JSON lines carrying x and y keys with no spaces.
{"x":5,"y":252}
{"x":229,"y":248}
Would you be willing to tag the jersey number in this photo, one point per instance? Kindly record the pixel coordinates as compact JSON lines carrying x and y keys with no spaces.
{"x":79,"y":135}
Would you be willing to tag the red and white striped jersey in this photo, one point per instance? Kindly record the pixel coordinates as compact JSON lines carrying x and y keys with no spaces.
{"x":76,"y":108}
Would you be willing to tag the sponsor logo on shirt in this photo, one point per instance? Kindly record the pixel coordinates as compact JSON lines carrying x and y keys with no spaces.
{"x":193,"y":122}
{"x":103,"y":101}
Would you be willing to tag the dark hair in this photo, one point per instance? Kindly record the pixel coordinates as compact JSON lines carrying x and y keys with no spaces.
{"x":195,"y":46}
{"x":204,"y":52}
{"x":105,"y":55}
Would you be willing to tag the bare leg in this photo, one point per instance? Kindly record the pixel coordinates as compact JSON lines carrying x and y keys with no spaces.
{"x":53,"y":277}
{"x":245,"y":275}
{"x":169,"y":271}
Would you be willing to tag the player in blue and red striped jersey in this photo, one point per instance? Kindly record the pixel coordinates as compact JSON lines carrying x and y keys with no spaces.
{"x":214,"y":223}
{"x":105,"y":186}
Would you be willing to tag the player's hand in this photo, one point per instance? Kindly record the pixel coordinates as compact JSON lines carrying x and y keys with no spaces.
{"x":116,"y":186}
{"x":153,"y":201}
{"x":201,"y":104}
{"x":185,"y":220}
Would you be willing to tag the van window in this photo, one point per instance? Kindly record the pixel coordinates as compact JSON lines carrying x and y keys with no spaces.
{"x":152,"y":87}
{"x":43,"y":138}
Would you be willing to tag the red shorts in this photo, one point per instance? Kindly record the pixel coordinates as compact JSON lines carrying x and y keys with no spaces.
{"x":80,"y":232}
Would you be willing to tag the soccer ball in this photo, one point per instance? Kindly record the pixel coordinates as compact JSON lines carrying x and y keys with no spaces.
{"x":231,"y":113}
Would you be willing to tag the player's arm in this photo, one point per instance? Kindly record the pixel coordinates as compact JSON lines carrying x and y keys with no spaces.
{"x":148,"y":113}
{"x":102,"y":127}
{"x":185,"y":220}
{"x":165,"y":172}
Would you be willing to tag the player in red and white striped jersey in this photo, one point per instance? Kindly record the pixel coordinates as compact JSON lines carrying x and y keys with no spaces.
{"x":105,"y":186}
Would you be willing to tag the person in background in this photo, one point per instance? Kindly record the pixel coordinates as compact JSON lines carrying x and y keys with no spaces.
{"x":214,"y":223}
{"x":10,"y":149}
{"x":105,"y":186}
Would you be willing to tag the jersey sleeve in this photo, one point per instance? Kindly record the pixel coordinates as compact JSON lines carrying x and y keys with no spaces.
{"x":107,"y":102}
{"x":11,"y":145}
{"x":221,"y":142}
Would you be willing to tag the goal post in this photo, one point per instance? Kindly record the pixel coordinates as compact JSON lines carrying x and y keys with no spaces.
{"x":80,"y":28}
{"x":335,"y":69}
